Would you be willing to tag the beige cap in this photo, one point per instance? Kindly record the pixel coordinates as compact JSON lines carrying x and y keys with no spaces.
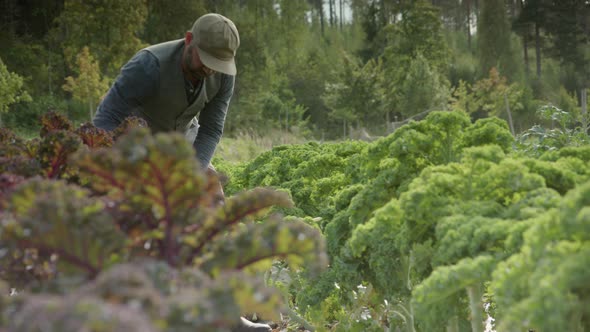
{"x":217,"y":40}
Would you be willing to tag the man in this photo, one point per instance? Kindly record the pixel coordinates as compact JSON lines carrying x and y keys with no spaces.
{"x":182,"y":85}
{"x":173,"y":84}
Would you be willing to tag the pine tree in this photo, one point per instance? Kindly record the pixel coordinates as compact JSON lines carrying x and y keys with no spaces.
{"x":494,"y":47}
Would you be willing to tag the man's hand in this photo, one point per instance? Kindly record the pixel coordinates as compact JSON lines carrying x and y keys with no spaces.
{"x":247,"y":326}
{"x":218,"y":194}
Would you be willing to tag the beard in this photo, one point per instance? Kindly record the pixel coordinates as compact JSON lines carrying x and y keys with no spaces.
{"x":195,"y":73}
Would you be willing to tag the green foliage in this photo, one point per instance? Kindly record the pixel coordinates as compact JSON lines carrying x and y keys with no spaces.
{"x":416,"y":61}
{"x":489,"y":96}
{"x":25,"y":117}
{"x":38,"y":62}
{"x":146,"y":296}
{"x":141,"y":197}
{"x":544,"y":285}
{"x":538,"y":139}
{"x":464,"y":64}
{"x":488,"y":130}
{"x":165,"y":22}
{"x":383,"y":257}
{"x":109,"y":29}
{"x":419,"y":32}
{"x":495,"y":47}
{"x":422,"y":88}
{"x":564,"y":24}
{"x":426,"y":216}
{"x":177,"y":201}
{"x":88,"y":86}
{"x":40,"y":215}
{"x":11,"y":89}
{"x":359,"y":96}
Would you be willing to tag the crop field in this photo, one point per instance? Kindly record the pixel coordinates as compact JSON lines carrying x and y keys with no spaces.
{"x":416,"y":231}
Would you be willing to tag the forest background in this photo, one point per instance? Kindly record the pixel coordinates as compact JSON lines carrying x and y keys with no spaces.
{"x":315,"y":69}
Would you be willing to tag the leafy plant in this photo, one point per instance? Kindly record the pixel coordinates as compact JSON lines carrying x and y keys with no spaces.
{"x":427,"y":217}
{"x":565,"y":131}
{"x":11,"y":89}
{"x":88,"y":87}
{"x":85,"y":209}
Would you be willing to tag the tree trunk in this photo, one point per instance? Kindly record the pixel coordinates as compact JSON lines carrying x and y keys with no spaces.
{"x":584,"y":106}
{"x":411,"y":327}
{"x":341,"y":13}
{"x":321,"y":8}
{"x":538,"y":48}
{"x":475,"y":305}
{"x":331,"y":9}
{"x":383,"y":13}
{"x":453,"y":324}
{"x":469,"y":24}
{"x":286,"y":119}
{"x":512,"y":8}
{"x":509,"y":114}
{"x":525,"y":43}
{"x":344,"y":129}
{"x":525,"y":48}
{"x":90,"y":109}
{"x":49,"y":76}
{"x":10,"y":14}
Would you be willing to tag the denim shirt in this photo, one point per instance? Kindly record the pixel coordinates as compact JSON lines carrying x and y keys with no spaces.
{"x":139,"y":79}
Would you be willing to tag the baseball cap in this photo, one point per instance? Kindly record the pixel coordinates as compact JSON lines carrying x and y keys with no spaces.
{"x":217,"y":40}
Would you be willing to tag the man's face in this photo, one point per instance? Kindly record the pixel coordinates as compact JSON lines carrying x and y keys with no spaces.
{"x":193,"y":66}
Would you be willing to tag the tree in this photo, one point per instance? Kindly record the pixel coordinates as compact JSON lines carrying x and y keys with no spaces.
{"x":109,"y":28}
{"x":358,"y":95}
{"x":11,"y":89}
{"x":417,"y":34}
{"x":491,"y":96}
{"x":568,"y":24}
{"x":532,"y":13}
{"x":494,"y":40}
{"x":420,"y":30}
{"x":88,"y":87}
{"x":165,"y":22}
{"x":422,"y":89}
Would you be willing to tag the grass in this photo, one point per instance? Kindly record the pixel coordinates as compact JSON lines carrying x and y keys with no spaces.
{"x":234,"y":149}
{"x":244,"y":147}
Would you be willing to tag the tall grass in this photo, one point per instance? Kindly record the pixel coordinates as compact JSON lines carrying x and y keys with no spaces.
{"x":246,"y":146}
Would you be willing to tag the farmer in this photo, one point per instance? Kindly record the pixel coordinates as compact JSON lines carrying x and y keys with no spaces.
{"x":182,"y":85}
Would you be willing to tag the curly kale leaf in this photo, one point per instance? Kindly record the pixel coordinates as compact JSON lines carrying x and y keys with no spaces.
{"x":254,"y":246}
{"x":55,"y":149}
{"x":545,"y":285}
{"x":49,"y":226}
{"x":132,"y":297}
{"x":52,"y":121}
{"x":94,"y":137}
{"x":445,"y":282}
{"x":238,"y":208}
{"x":489,"y":131}
{"x":128,"y":124}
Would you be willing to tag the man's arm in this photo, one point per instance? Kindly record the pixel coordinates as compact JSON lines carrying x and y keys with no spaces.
{"x":138,"y":80}
{"x":211,"y":121}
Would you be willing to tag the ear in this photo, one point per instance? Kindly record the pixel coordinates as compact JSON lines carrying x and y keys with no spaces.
{"x":188,"y":37}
